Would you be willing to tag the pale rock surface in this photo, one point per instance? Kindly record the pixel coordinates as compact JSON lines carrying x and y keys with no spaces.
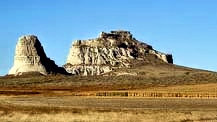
{"x":30,"y":57}
{"x":107,"y":52}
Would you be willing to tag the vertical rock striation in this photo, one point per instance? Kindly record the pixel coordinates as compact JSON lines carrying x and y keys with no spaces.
{"x":107,"y":52}
{"x":30,"y":57}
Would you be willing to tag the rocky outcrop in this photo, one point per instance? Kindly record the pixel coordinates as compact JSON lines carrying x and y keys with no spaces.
{"x":107,"y":52}
{"x":30,"y":57}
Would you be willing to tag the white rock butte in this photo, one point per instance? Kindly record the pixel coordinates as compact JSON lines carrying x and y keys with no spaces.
{"x":109,"y":51}
{"x":30,"y":57}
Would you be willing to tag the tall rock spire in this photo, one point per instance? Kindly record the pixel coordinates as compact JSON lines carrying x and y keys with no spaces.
{"x":30,"y":57}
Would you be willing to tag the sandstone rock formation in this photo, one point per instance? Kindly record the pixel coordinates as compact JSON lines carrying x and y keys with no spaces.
{"x":30,"y":57}
{"x":107,"y":52}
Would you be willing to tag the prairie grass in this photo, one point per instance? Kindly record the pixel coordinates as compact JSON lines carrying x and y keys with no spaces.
{"x":38,"y":98}
{"x":144,"y":116}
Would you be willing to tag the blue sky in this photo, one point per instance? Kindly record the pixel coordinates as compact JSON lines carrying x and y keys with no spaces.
{"x":185,"y":28}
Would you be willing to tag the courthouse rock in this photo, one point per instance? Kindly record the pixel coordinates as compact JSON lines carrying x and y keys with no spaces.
{"x":109,"y":51}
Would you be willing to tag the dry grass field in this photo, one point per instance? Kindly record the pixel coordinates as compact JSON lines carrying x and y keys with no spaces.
{"x":39,"y":108}
{"x":86,"y":106}
{"x":144,"y":116}
{"x":149,"y":93}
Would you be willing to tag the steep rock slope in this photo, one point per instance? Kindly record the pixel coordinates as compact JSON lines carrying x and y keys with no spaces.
{"x":30,"y":57}
{"x":108,"y":52}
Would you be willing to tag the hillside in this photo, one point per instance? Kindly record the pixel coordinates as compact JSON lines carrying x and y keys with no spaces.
{"x":139,"y":76}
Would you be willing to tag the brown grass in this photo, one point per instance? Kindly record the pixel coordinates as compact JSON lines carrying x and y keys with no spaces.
{"x":144,"y":116}
{"x":91,"y":109}
{"x":37,"y":98}
{"x":152,"y":78}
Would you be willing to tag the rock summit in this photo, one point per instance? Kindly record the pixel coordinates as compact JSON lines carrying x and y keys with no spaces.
{"x":107,"y":52}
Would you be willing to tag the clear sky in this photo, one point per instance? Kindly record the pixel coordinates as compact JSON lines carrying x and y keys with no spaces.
{"x":185,"y":28}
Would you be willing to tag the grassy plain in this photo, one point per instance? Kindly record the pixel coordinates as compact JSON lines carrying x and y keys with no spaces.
{"x":145,"y":92}
{"x":39,"y":108}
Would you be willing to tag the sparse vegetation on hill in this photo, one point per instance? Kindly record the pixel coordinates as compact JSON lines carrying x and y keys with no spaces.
{"x":144,"y":75}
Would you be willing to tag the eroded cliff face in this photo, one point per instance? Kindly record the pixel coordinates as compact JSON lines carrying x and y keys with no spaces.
{"x":107,"y":52}
{"x":30,"y":57}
